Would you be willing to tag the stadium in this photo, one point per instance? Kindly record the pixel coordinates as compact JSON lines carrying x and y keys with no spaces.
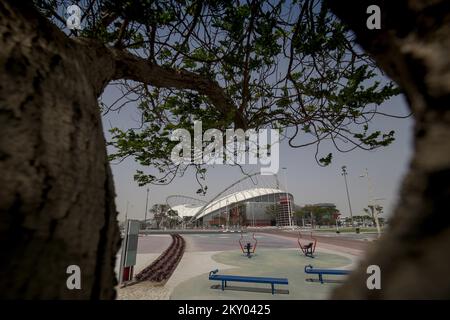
{"x":255,"y":200}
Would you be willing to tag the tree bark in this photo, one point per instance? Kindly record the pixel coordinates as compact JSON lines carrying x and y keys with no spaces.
{"x":413,"y":47}
{"x":56,"y":196}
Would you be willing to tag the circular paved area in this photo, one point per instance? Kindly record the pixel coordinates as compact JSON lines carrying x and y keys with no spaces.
{"x":284,"y":263}
{"x":230,"y":241}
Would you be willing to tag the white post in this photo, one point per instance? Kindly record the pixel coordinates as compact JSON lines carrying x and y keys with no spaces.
{"x":123,"y":252}
{"x":288,"y":198}
{"x":253,"y":214}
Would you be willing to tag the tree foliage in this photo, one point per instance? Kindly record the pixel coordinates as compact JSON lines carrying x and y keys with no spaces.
{"x":290,"y":65}
{"x":317,"y":214}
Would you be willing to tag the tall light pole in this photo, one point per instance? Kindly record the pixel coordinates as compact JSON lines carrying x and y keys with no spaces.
{"x":228,"y":217}
{"x":146,"y":208}
{"x":344,"y":173}
{"x":287,"y":197}
{"x":126,"y":212}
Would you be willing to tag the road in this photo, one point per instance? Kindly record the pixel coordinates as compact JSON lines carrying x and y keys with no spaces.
{"x":352,"y":241}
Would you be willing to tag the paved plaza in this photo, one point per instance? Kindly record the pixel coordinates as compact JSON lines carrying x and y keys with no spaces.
{"x":276,"y":256}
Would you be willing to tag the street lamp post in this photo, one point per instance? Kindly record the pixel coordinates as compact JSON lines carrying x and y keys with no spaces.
{"x":126,"y":212}
{"x":344,"y":173}
{"x":146,"y":208}
{"x":228,"y":218}
{"x":377,"y":220}
{"x":253,"y":216}
{"x":288,"y":198}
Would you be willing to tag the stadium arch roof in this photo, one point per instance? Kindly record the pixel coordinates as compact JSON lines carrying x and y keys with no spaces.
{"x":246,"y":188}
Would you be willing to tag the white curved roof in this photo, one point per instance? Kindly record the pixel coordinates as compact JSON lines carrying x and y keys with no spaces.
{"x":189,"y":210}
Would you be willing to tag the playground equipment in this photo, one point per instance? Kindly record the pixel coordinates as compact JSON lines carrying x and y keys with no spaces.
{"x":226,"y":278}
{"x":248,"y":246}
{"x":309,"y":244}
{"x":310,"y":270}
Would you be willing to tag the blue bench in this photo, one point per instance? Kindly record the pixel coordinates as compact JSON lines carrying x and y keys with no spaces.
{"x":310,"y":270}
{"x":226,"y":278}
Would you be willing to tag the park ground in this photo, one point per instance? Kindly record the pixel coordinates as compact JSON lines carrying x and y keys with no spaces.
{"x":277,"y":255}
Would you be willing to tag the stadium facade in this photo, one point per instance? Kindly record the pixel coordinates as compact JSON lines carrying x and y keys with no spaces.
{"x":260,"y":205}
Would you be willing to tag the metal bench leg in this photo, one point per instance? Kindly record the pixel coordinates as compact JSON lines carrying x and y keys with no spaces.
{"x":273,"y":288}
{"x":223,"y":285}
{"x":320,"y":278}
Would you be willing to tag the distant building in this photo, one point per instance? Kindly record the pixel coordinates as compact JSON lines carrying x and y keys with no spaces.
{"x":244,"y":208}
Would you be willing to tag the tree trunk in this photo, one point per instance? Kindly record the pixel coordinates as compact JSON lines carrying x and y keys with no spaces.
{"x":56,"y":196}
{"x":413,"y":47}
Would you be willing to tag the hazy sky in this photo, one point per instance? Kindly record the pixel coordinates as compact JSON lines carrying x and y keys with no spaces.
{"x":306,"y":180}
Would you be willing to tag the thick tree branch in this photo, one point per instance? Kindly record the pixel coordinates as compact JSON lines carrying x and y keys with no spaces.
{"x":104,"y":64}
{"x":131,"y":67}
